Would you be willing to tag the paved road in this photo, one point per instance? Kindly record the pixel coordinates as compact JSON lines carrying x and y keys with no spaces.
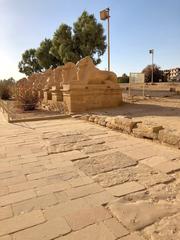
{"x":72,"y":180}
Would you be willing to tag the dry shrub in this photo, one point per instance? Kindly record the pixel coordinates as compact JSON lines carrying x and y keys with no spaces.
{"x":6,"y":89}
{"x":26,"y":97}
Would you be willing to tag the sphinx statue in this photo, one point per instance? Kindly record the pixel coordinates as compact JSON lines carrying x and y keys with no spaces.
{"x":87,"y":73}
{"x":57,"y":77}
{"x":69,"y":73}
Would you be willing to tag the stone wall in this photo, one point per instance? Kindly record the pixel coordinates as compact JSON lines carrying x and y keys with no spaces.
{"x":80,"y":86}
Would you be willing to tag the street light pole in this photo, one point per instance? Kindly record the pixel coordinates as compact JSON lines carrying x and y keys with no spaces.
{"x":108,"y":20}
{"x":104,"y":14}
{"x":152,"y":73}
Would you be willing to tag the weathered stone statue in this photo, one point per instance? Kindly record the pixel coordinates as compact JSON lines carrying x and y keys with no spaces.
{"x":85,"y":87}
{"x":89,"y":74}
{"x":69,"y":73}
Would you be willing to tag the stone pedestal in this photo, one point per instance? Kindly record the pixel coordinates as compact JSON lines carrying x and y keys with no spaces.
{"x":40,"y":94}
{"x":47,"y":95}
{"x":80,"y":98}
{"x":57,"y":95}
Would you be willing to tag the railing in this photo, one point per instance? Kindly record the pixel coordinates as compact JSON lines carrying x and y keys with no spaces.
{"x":10,"y":114}
{"x":5,"y":110}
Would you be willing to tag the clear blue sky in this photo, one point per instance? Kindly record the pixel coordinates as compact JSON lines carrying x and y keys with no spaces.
{"x":136,"y":26}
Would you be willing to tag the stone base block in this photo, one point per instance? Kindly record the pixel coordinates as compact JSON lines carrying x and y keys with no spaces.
{"x":91,"y":97}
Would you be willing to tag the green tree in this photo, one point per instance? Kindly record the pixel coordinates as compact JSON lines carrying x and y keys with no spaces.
{"x":157,"y":73}
{"x":63,"y":46}
{"x":29,"y":63}
{"x":89,"y":38}
{"x":68,"y":45}
{"x":44,"y":57}
{"x":123,"y":79}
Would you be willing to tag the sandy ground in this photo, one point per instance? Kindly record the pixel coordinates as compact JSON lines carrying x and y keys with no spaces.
{"x":163,"y":108}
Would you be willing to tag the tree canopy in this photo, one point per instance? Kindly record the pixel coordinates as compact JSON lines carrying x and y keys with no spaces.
{"x":157,"y":73}
{"x":62,"y":44}
{"x":29,"y":63}
{"x":89,"y":38}
{"x":44,"y":57}
{"x":68,"y":44}
{"x":124,"y":78}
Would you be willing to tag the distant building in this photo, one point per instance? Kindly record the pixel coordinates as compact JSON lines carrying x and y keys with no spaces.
{"x":172,"y":74}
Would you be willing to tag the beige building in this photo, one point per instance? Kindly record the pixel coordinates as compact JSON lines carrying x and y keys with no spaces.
{"x":172,"y":74}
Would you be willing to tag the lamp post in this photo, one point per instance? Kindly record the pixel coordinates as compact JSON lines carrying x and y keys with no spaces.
{"x":104,"y":14}
{"x":151,"y":51}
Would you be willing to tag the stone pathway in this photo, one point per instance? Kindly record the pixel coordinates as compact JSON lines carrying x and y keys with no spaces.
{"x":72,"y":180}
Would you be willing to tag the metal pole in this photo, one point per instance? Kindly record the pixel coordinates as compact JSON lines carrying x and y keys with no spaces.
{"x":108,"y":40}
{"x":152,"y":66}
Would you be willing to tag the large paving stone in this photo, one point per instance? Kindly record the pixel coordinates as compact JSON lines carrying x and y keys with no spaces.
{"x":125,"y":188}
{"x":86,"y":217}
{"x":59,"y":148}
{"x":94,"y":131}
{"x":140,"y":173}
{"x":21,"y":222}
{"x":105,"y":163}
{"x":49,"y":230}
{"x":95,"y":149}
{"x":155,"y":160}
{"x":116,"y":227}
{"x":88,"y":143}
{"x":169,"y":166}
{"x":136,"y":216}
{"x":67,"y":139}
{"x":89,"y":146}
{"x":95,"y":231}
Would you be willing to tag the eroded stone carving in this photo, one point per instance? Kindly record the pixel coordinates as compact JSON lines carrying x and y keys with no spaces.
{"x":69,"y":73}
{"x":89,"y":74}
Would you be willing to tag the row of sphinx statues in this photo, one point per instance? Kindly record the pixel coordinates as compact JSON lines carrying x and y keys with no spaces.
{"x":84,"y":73}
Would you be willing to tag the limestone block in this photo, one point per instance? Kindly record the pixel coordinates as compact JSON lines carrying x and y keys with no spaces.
{"x":85,"y":117}
{"x":147,"y":130}
{"x":125,"y":124}
{"x":102,"y":121}
{"x":56,"y":94}
{"x":110,"y":122}
{"x":96,"y":119}
{"x":92,"y":118}
{"x":171,"y":137}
